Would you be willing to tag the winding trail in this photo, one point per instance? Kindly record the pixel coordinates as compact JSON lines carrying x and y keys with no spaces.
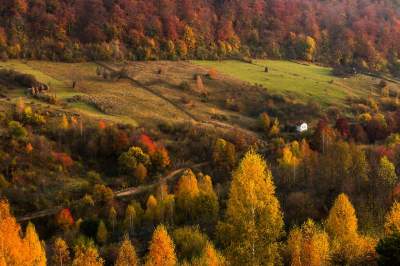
{"x":154,"y":92}
{"x":205,"y":123}
{"x":131,"y":191}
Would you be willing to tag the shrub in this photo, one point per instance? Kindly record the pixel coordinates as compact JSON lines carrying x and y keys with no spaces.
{"x":189,"y":242}
{"x":212,"y":74}
{"x":17,"y":130}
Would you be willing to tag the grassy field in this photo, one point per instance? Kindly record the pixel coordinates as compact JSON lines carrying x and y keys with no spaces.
{"x":304,"y":81}
{"x":158,"y":96}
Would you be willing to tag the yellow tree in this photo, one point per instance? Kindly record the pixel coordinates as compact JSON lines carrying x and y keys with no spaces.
{"x":392,"y":220}
{"x":311,"y":47}
{"x":342,"y":220}
{"x":35,"y":248}
{"x":224,"y":155}
{"x":210,"y":257}
{"x":308,"y":245}
{"x":126,"y":254}
{"x":87,"y":256}
{"x":151,"y":209}
{"x":162,"y":249}
{"x":189,"y":38}
{"x":60,"y":252}
{"x":102,"y":233}
{"x":289,"y":163}
{"x":64,"y":124}
{"x":254,"y":219}
{"x":112,"y":217}
{"x":130,"y":218}
{"x":347,"y":245}
{"x":187,"y":185}
{"x":12,"y":247}
{"x":186,"y":192}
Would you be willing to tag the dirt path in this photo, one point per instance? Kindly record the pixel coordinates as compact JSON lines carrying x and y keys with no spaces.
{"x":140,"y":189}
{"x":132,"y":191}
{"x":40,"y":214}
{"x":154,"y":92}
{"x":206,"y":123}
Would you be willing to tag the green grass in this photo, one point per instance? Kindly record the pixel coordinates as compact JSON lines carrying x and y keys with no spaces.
{"x":93,"y":112}
{"x":59,"y":76}
{"x":301,"y":81}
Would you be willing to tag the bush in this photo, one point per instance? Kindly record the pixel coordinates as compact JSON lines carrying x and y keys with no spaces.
{"x":388,"y":250}
{"x":17,"y":130}
{"x":18,"y":79}
{"x":212,"y":74}
{"x":189,"y":242}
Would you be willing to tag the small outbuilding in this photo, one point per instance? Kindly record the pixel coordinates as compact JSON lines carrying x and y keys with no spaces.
{"x":303,"y":127}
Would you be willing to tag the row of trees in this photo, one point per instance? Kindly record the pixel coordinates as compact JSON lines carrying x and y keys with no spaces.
{"x":363,"y":34}
{"x":250,"y":233}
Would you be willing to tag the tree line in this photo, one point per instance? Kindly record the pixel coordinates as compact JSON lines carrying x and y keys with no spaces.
{"x":356,"y":34}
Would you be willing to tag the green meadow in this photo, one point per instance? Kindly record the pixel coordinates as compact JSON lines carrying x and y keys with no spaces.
{"x":301,"y":81}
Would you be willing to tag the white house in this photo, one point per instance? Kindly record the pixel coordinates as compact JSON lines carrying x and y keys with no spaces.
{"x":302,"y":127}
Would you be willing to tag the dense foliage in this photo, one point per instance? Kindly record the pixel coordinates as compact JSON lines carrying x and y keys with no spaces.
{"x":361,"y":34}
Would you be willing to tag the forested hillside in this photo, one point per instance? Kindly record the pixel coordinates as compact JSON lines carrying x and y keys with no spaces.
{"x":363,"y":34}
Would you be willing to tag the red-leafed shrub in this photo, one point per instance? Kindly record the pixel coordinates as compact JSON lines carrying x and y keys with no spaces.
{"x":147,"y":143}
{"x":64,"y":219}
{"x":64,"y":159}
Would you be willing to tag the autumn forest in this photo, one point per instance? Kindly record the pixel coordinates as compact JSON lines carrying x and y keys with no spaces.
{"x":199,"y":132}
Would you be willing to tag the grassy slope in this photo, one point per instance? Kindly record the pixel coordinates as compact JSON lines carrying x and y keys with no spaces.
{"x":59,"y":76}
{"x":124,"y":102}
{"x":302,"y":81}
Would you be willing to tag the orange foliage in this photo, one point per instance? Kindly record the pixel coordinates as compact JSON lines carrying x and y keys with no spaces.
{"x":147,"y":143}
{"x":28,"y":148}
{"x":212,"y":73}
{"x":64,"y":159}
{"x":102,"y":125}
{"x":14,"y":250}
{"x":64,"y":219}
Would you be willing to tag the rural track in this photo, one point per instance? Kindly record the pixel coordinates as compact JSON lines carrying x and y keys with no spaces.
{"x":140,"y":189}
{"x":206,"y":123}
{"x":147,"y":88}
{"x":132,"y":191}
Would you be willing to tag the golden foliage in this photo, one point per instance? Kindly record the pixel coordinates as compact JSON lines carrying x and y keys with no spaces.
{"x":126,"y":254}
{"x":87,"y":256}
{"x":253,"y":219}
{"x":187,"y":185}
{"x":308,"y":245}
{"x":35,"y":248}
{"x":162,"y":249}
{"x":342,"y":220}
{"x":392,"y":220}
{"x":347,"y":246}
{"x":210,"y":257}
{"x":61,"y":252}
{"x":102,"y":233}
{"x":15,"y":250}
